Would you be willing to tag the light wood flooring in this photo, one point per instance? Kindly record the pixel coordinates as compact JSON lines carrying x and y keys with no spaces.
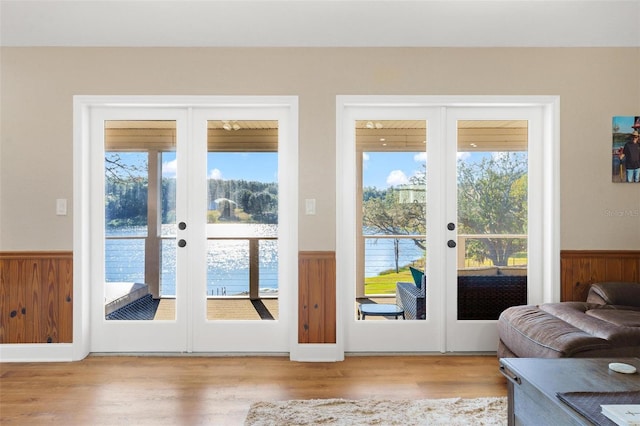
{"x":198,"y":390}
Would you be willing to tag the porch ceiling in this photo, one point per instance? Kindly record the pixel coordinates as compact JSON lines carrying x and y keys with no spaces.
{"x":262,"y":135}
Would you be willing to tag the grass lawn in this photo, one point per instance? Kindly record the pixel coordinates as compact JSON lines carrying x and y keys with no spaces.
{"x":386,"y":282}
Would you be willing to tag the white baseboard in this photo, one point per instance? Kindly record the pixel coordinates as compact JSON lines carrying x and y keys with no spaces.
{"x":316,"y":352}
{"x":37,"y":352}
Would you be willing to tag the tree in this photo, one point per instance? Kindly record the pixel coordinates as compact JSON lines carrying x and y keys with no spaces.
{"x":492,"y":199}
{"x":384,"y":213}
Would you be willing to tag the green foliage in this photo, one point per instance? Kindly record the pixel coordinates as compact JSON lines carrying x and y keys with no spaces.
{"x":492,"y":199}
{"x":259,"y":200}
{"x":383,"y":213}
{"x":126,"y":201}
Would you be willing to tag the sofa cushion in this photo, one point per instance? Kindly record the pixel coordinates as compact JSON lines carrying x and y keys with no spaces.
{"x":418,"y":276}
{"x":618,"y":317}
{"x":615,"y":293}
{"x":606,"y":325}
{"x":539,"y":334}
{"x":606,"y":322}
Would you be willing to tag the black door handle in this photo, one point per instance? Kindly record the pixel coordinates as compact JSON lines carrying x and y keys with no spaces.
{"x":182,"y":226}
{"x":182,"y":243}
{"x":451,"y":243}
{"x":451,"y":226}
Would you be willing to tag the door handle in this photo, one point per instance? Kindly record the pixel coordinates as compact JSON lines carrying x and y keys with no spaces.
{"x":182,"y":243}
{"x":451,"y":243}
{"x":451,"y":226}
{"x":510,"y":375}
{"x":182,"y":226}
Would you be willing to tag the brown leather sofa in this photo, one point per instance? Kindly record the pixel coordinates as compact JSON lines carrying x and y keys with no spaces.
{"x":606,"y":325}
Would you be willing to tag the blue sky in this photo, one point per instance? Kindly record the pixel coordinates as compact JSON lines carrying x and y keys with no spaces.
{"x":385,"y":169}
{"x":381,"y":169}
{"x":258,"y":166}
{"x":624,"y":123}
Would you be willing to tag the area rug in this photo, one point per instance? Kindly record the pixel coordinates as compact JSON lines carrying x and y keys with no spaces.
{"x":453,"y":411}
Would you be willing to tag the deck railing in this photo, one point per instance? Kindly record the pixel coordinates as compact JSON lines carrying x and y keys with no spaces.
{"x":390,"y":253}
{"x":235,"y":266}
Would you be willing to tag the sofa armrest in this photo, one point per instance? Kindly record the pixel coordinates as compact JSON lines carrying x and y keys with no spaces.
{"x":615,"y":293}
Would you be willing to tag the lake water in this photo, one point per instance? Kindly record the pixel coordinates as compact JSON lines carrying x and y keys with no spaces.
{"x":228,"y":260}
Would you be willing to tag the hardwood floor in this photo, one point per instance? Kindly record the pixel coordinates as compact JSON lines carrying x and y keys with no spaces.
{"x":195,"y":390}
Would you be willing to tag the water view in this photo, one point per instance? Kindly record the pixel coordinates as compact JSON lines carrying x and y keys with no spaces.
{"x":228,"y":259}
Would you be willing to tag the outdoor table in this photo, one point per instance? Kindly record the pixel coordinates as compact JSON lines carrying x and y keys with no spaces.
{"x":380,"y":310}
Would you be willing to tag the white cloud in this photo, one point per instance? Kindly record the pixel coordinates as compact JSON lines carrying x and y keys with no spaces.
{"x":463,"y":155}
{"x":420,"y":157}
{"x":397,"y":177}
{"x":169,"y":168}
{"x":215,"y":174}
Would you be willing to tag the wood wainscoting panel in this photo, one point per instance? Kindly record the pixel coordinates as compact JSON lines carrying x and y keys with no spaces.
{"x":317,"y":297}
{"x":581,"y":268}
{"x":36,"y":297}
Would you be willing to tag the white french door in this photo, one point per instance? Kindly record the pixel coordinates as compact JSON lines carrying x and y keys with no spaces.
{"x":395,"y":138}
{"x":472,"y":146}
{"x":493,"y":196}
{"x":171,"y":233}
{"x":262,"y":239}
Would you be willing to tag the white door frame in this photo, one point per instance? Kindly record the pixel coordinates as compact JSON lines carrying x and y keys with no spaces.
{"x":83,"y":244}
{"x":547,"y":202}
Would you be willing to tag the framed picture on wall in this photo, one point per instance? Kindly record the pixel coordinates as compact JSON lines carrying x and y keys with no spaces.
{"x":626,"y":149}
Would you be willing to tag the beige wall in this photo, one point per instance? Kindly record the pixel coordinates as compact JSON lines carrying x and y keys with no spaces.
{"x":37,"y":86}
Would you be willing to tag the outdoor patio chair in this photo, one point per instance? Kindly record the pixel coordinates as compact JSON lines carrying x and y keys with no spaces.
{"x":412,"y":299}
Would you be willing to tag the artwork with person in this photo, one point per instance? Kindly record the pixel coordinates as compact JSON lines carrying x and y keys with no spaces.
{"x":626,"y":149}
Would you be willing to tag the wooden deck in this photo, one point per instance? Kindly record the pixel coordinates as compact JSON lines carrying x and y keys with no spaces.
{"x":197,"y":390}
{"x":245,"y":309}
{"x":227,"y":309}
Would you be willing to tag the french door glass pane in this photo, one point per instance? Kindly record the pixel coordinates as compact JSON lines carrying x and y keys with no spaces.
{"x":242,"y":220}
{"x":492,"y":173}
{"x":391,"y":160}
{"x":139,"y":171}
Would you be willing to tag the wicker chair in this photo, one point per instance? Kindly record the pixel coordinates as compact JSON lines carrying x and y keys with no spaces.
{"x":412,"y":299}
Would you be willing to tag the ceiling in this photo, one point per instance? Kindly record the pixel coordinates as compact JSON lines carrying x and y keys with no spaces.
{"x":321,"y":23}
{"x":262,"y":136}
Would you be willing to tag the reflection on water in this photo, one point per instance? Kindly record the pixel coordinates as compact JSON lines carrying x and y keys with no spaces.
{"x":227,"y":260}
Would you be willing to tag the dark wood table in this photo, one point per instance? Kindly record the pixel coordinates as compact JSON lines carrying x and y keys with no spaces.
{"x":533,"y":385}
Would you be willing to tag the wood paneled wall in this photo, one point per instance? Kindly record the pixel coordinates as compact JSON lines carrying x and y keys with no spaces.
{"x":316,"y":297}
{"x":36,"y":297}
{"x":36,"y":291}
{"x":581,"y":268}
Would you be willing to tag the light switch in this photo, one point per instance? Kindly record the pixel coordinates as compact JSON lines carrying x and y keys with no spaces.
{"x":61,"y":206}
{"x":310,"y":206}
